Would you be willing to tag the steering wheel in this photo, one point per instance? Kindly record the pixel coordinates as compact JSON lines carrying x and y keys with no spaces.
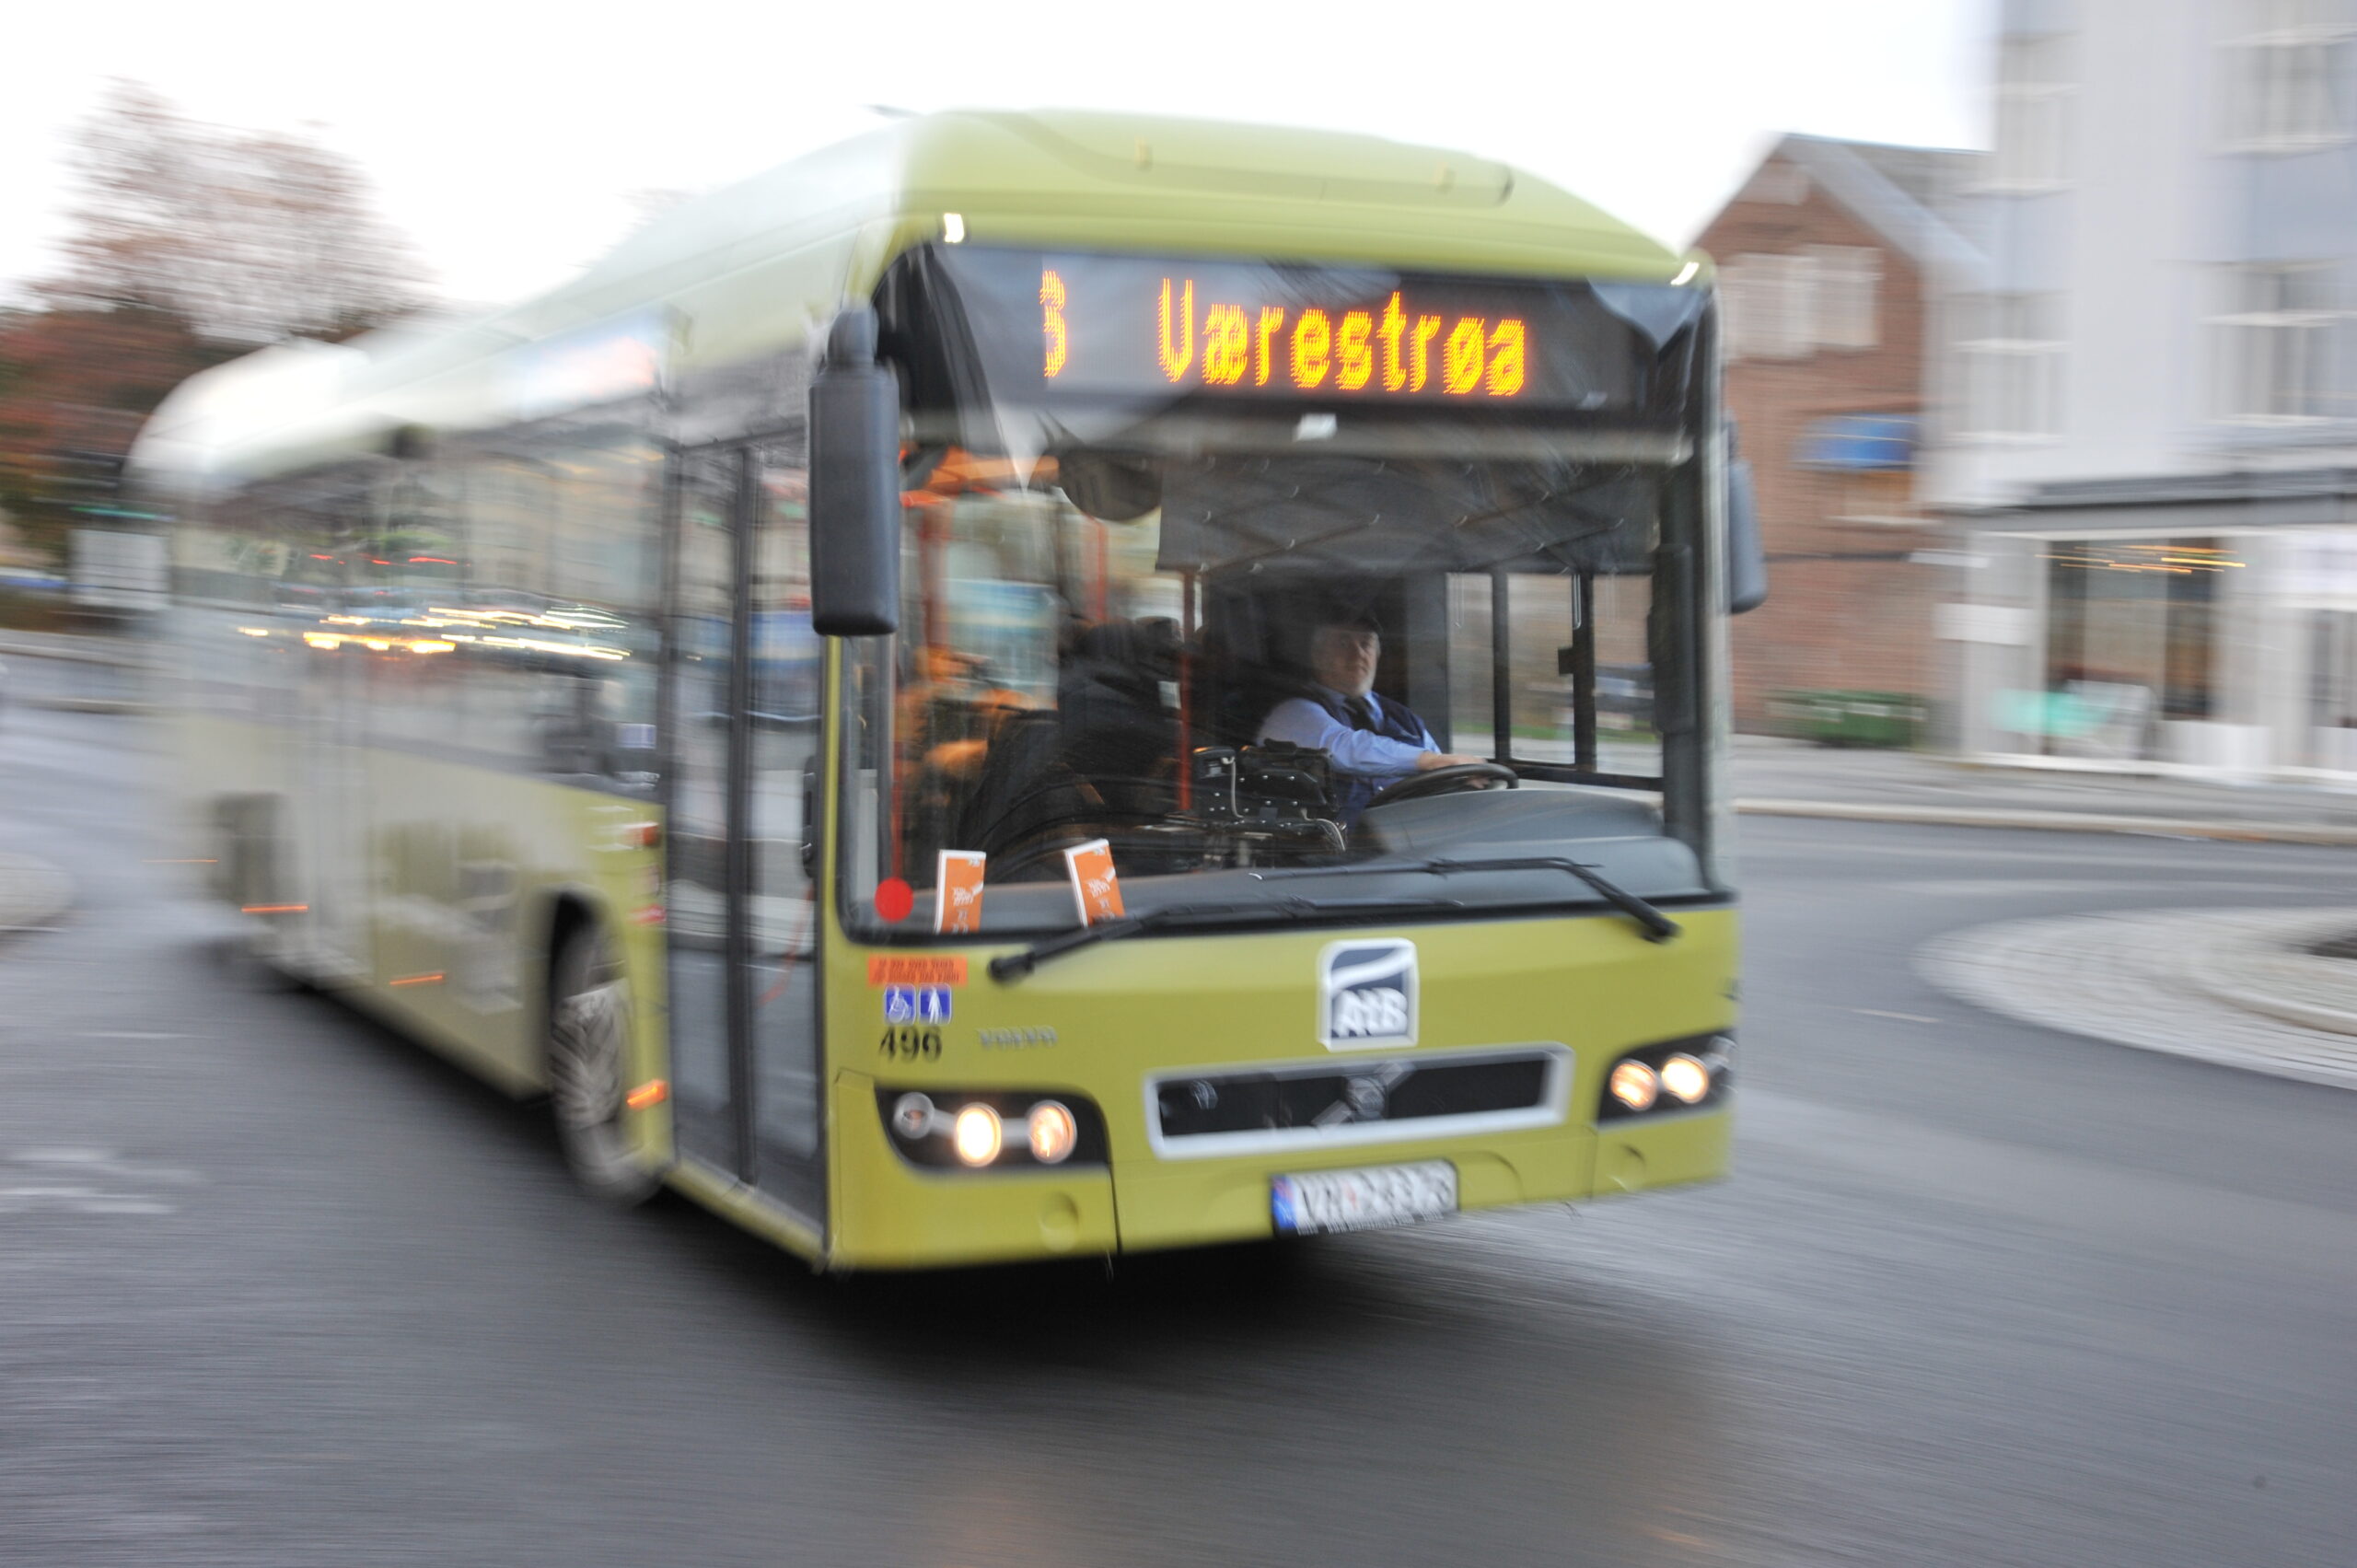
{"x":1440,"y":781}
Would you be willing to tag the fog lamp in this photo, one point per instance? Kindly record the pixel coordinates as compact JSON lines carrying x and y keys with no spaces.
{"x":912,"y":1116}
{"x":975,"y":1134}
{"x":1635,"y":1084}
{"x":1686,"y":1077}
{"x":1054,"y":1132}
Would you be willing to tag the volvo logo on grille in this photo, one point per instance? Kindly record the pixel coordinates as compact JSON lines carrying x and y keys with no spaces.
{"x":1366,"y":994}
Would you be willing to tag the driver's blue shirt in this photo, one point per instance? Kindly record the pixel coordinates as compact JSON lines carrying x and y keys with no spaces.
{"x":1368,"y":758}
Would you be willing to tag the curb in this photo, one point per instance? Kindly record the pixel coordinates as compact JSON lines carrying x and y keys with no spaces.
{"x":2309,"y":991}
{"x":2332,"y":1020}
{"x":71,"y":649}
{"x":32,"y":892}
{"x":89,"y":704}
{"x":2058,"y":821}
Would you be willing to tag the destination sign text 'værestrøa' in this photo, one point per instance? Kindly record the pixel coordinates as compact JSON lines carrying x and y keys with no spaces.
{"x":1400,"y":348}
{"x":1088,"y":334}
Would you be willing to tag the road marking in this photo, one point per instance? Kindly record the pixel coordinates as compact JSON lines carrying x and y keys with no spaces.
{"x":78,"y":1200}
{"x":1902,"y":1017}
{"x":82,"y":1179}
{"x":107,"y":1161}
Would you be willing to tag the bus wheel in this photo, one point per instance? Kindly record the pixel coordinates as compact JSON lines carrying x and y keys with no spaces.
{"x":588,"y":1043}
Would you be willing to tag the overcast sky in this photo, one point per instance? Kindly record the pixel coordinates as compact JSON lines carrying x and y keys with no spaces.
{"x":506,"y":140}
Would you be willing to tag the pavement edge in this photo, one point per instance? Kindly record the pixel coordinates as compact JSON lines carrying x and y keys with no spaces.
{"x":2058,"y":821}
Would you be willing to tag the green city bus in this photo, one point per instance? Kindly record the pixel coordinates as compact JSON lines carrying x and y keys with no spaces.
{"x":851,"y":696}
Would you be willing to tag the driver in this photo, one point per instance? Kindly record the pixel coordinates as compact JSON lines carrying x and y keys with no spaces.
{"x":1372,"y":741}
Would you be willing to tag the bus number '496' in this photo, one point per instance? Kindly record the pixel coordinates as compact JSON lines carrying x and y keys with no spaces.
{"x":908,"y":1043}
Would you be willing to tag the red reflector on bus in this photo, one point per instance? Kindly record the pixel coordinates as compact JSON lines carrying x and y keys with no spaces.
{"x":273,"y":909}
{"x":653,"y":1092}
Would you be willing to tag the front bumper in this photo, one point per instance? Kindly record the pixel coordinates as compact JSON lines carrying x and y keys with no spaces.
{"x":890,"y":1214}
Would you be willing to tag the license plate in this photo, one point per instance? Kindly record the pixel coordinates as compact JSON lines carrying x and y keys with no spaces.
{"x":1362,"y":1199}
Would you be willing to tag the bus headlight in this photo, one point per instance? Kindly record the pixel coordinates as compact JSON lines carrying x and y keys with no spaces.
{"x":1693,"y":1072}
{"x":983,"y":1131}
{"x":975,"y":1135}
{"x":1686,"y":1078}
{"x":1054,"y":1132}
{"x":1635,"y":1084}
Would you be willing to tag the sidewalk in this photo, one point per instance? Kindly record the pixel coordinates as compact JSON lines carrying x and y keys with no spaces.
{"x":2240,"y":988}
{"x":77,"y":673}
{"x":1787,"y":778}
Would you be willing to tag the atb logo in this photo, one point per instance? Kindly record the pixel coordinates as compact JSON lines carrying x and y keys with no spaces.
{"x":1366,"y":994}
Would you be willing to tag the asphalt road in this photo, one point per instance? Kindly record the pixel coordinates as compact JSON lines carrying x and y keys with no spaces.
{"x":277,"y":1288}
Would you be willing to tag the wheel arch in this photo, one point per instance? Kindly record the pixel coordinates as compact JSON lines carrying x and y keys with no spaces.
{"x":566,"y":911}
{"x":607,"y":1156}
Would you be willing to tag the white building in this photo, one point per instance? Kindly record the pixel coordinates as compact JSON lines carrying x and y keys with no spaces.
{"x":2148,"y":428}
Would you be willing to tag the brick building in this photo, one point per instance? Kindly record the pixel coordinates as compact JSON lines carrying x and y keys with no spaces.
{"x":1826,"y":258}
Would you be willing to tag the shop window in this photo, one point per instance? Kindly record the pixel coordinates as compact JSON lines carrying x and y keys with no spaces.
{"x":2323,"y":564}
{"x":2131,"y":638}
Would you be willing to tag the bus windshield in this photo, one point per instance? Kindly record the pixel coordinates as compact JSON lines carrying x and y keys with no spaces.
{"x":1236,"y":637}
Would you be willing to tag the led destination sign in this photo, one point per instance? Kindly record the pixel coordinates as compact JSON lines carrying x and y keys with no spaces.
{"x":1064,"y":330}
{"x":1398,"y":349}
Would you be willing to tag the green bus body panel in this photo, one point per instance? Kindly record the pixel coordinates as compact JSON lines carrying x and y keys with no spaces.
{"x":1154,"y":1004}
{"x":422,"y":817}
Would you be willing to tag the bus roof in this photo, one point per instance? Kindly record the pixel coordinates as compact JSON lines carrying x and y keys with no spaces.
{"x":751,"y":268}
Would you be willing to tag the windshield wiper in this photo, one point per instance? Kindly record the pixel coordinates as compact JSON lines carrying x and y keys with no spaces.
{"x":1655,"y":925}
{"x":1014,"y":966}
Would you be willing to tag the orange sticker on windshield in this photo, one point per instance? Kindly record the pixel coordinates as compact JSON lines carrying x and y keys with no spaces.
{"x":1094,"y":889}
{"x":916,"y":969}
{"x":958,"y":892}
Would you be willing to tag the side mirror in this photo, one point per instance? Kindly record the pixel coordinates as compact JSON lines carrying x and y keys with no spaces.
{"x":855,"y":485}
{"x":1747,"y":554}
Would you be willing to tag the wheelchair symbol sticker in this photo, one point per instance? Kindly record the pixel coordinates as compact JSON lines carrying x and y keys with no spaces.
{"x":916,"y":1003}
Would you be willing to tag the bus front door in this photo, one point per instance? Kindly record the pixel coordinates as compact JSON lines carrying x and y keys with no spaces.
{"x":745,"y":726}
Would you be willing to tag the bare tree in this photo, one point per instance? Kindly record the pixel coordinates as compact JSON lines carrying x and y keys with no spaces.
{"x":248,"y":237}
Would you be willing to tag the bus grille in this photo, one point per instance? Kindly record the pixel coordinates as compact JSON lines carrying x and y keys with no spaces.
{"x":1356,"y":1101}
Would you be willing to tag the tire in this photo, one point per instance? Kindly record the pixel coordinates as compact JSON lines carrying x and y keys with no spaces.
{"x":588,"y":1056}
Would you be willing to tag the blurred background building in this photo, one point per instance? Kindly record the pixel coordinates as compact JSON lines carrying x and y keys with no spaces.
{"x":2147,"y":431}
{"x":1829,"y":257}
